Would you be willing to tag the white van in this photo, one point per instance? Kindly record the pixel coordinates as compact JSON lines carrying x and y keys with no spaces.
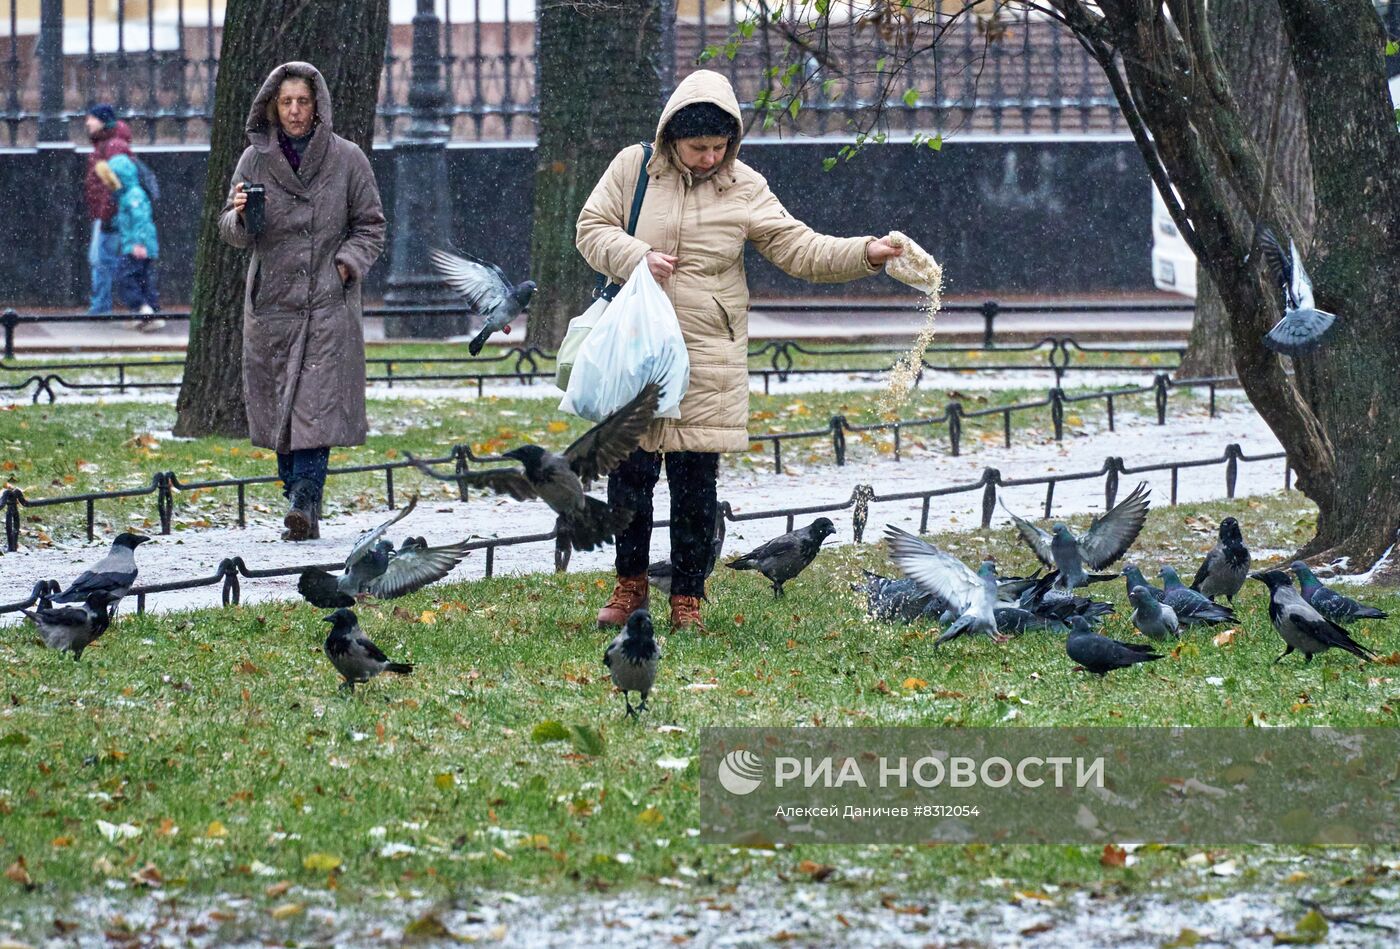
{"x":1173,"y":264}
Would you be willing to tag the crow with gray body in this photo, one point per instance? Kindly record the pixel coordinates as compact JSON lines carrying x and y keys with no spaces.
{"x":1226,"y":567}
{"x":1108,"y":538}
{"x":1304,"y":328}
{"x":488,"y":291}
{"x":631,"y":659}
{"x":375,"y":568}
{"x":784,"y":557}
{"x":353,"y":655}
{"x":112,"y":576}
{"x":1330,"y":603}
{"x":72,"y":628}
{"x":1101,"y":655}
{"x":972,"y":595}
{"x":1154,"y":620}
{"x":561,"y":480}
{"x":1300,"y":625}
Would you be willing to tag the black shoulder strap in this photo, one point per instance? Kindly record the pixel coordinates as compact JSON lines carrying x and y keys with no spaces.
{"x":609,"y":290}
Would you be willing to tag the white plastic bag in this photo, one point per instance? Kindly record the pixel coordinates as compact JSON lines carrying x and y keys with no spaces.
{"x":637,"y":341}
{"x":579,"y":328}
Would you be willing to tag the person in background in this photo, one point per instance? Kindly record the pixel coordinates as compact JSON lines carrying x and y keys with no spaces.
{"x":322,"y":229}
{"x":702,"y":206}
{"x":109,"y":136}
{"x":136,"y":284}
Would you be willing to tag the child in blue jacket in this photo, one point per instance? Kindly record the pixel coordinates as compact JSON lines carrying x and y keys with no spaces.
{"x":140,"y":248}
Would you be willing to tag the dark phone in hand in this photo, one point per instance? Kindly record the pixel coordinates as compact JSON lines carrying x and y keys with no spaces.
{"x":253,"y":210}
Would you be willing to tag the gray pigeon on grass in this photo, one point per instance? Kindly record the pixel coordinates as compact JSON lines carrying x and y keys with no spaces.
{"x":1154,"y":620}
{"x":1330,"y":603}
{"x":972,"y":595}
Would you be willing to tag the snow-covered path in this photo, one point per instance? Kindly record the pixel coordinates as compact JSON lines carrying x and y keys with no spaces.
{"x":1138,"y":441}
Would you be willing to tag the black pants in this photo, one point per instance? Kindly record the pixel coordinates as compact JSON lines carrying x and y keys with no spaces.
{"x":691,"y":476}
{"x":304,"y":464}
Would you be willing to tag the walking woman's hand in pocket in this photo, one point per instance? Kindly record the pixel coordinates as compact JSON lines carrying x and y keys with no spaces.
{"x":661,"y":265}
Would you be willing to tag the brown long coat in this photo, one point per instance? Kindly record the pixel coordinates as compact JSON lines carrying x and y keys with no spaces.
{"x":705,"y":224}
{"x":303,"y":344}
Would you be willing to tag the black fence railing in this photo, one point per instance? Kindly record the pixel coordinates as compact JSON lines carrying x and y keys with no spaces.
{"x":231,"y":569}
{"x":164,"y":485}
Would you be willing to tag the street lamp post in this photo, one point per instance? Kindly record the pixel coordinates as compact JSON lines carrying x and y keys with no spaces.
{"x":421,"y":218}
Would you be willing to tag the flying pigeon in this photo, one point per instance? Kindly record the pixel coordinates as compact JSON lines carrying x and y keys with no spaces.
{"x":631,"y":659}
{"x":73,"y":628}
{"x":561,"y":480}
{"x":1300,"y":625}
{"x":660,"y":573}
{"x":375,"y":568}
{"x":1330,"y":603}
{"x":1225,"y":568}
{"x":1154,"y":620}
{"x":1303,"y":328}
{"x":972,"y":595}
{"x":487,"y":290}
{"x":784,"y":557}
{"x":1101,"y":655}
{"x":1109,"y":536}
{"x":112,"y":576}
{"x":353,"y":655}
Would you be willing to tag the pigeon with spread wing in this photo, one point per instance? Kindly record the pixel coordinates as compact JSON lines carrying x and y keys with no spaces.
{"x":973,"y":596}
{"x":375,"y":568}
{"x":487,"y":290}
{"x":1108,"y":538}
{"x":561,"y":480}
{"x":1303,"y":328}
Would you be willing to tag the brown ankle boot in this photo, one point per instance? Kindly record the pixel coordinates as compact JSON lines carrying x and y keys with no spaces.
{"x":628,"y":596}
{"x":685,"y":612}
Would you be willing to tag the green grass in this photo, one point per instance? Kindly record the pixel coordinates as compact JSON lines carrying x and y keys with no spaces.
{"x":75,"y":448}
{"x":220,"y":736}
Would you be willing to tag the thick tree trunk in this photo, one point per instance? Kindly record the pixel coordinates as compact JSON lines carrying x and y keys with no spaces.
{"x":1338,"y":414}
{"x":1208,"y":351}
{"x":346,"y":42}
{"x":1253,"y":51}
{"x":600,"y":90}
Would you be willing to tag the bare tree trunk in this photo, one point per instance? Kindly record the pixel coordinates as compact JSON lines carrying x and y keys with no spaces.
{"x":346,"y":43}
{"x":600,"y":91}
{"x":1253,"y":51}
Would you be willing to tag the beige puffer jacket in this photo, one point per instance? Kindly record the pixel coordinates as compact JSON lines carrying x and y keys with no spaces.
{"x":705,"y":223}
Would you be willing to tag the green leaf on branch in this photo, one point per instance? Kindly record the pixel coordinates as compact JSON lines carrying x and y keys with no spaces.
{"x":794,"y":106}
{"x":1392,"y":47}
{"x":911,"y":97}
{"x":828,"y":164}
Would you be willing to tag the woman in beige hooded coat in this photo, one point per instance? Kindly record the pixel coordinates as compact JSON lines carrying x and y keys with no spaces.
{"x":702,"y":205}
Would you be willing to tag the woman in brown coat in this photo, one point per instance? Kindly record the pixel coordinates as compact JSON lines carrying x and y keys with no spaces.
{"x":702,"y":204}
{"x":303,"y":345}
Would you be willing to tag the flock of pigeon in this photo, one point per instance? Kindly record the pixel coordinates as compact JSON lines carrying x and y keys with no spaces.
{"x":936,"y":585}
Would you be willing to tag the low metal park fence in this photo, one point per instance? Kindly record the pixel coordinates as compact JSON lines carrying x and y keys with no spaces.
{"x":164,"y":484}
{"x":231,"y":569}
